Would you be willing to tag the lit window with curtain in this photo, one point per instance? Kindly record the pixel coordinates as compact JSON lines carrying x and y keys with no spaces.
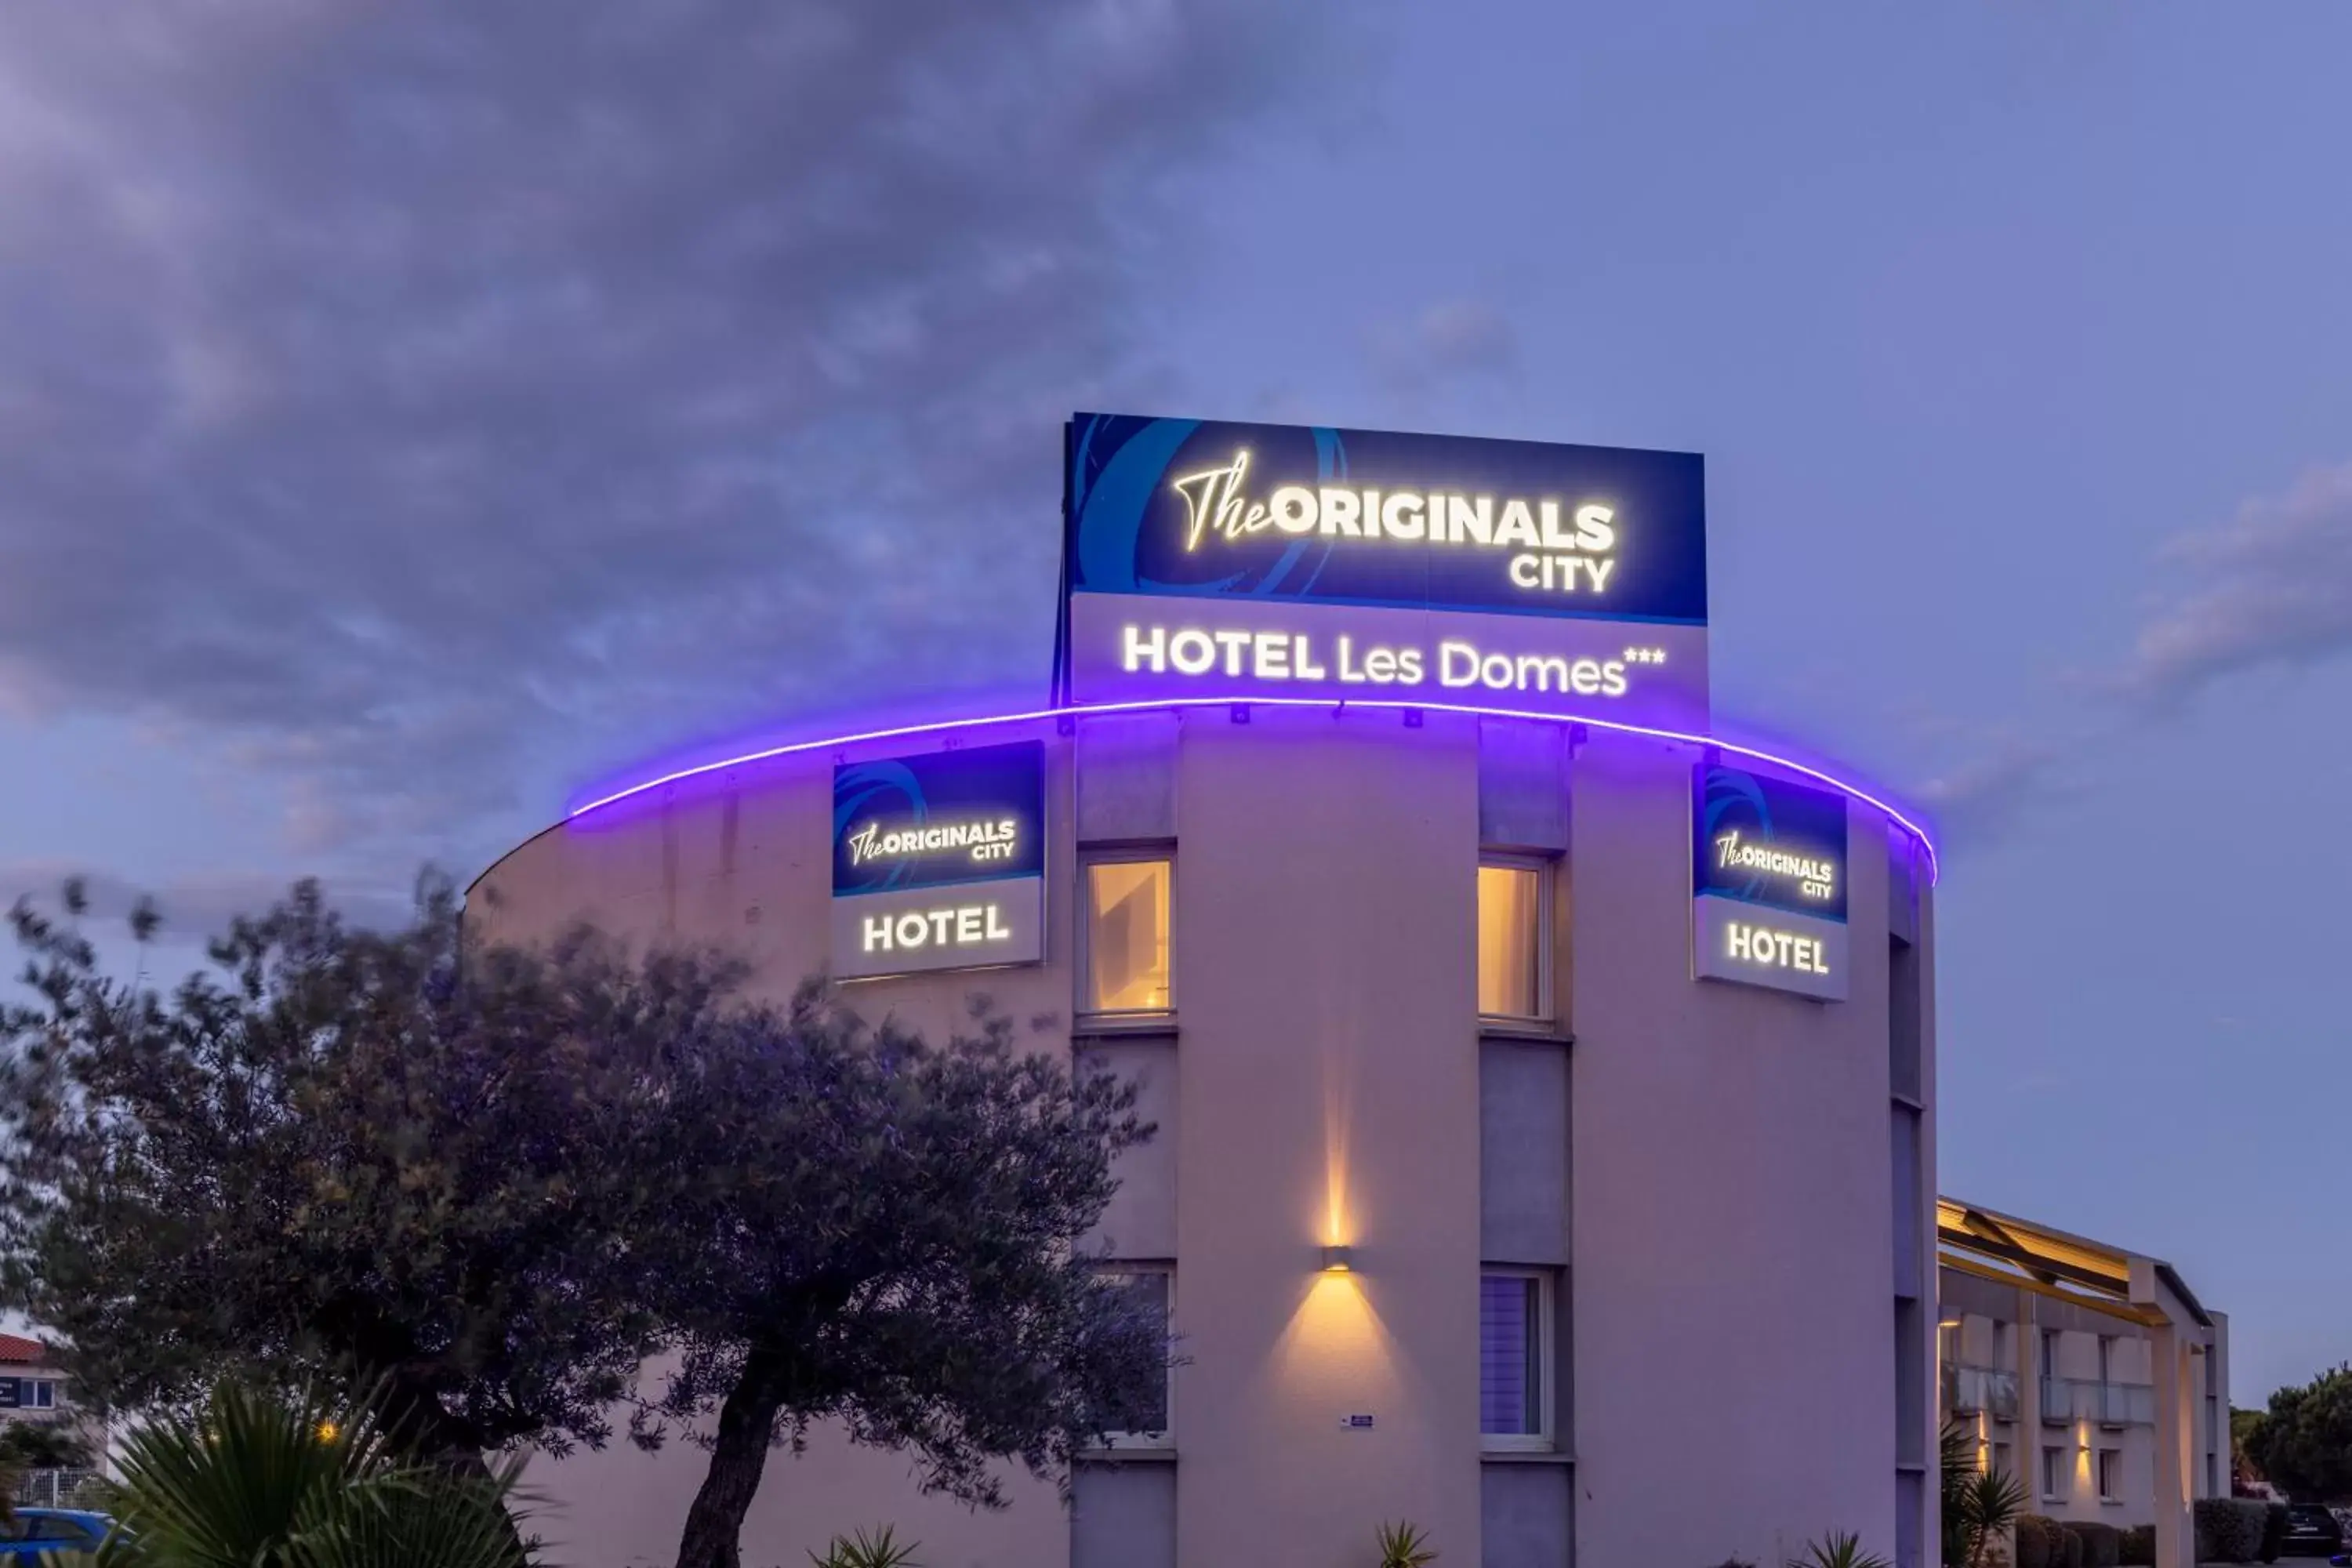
{"x":1127,"y":937}
{"x":1514,"y":1344}
{"x":1511,"y":926}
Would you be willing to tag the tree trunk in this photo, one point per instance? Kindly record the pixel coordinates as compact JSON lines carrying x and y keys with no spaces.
{"x":747,"y":1427}
{"x":417,"y":1424}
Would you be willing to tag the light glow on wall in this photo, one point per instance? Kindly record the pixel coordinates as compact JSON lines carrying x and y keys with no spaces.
{"x":1080,"y":711}
{"x":1336,"y":1232}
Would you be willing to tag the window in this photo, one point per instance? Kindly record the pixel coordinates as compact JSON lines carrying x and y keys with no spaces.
{"x":2054,"y":1475}
{"x":2004,"y":1459}
{"x":2049,"y":1353}
{"x":1124,"y":966}
{"x":1145,"y":1419}
{"x":1514,"y":1354}
{"x":2106,"y":1358}
{"x":1513,"y":924}
{"x":41,"y":1395}
{"x":2111,"y":1474}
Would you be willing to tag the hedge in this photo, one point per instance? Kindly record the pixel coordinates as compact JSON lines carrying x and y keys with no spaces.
{"x":2034,"y":1536}
{"x":2231,"y":1529}
{"x":2101,"y":1544}
{"x":2138,"y":1548}
{"x":2274,"y":1530}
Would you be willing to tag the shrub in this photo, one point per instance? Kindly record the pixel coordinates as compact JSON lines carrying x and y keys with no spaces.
{"x":2274,"y":1530}
{"x":2230,"y":1530}
{"x":2066,"y":1551}
{"x":2101,"y":1544}
{"x":863,"y":1551}
{"x":2036,"y":1535}
{"x":1841,"y":1550}
{"x":2213,"y":1516}
{"x":2251,"y":1518}
{"x":1978,"y":1508}
{"x":2138,"y":1548}
{"x":1404,"y":1546}
{"x":255,"y":1476}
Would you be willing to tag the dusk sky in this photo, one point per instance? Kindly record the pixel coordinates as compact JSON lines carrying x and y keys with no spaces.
{"x":411,"y":414}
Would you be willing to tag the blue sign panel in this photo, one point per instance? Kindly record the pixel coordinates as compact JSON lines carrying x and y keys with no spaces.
{"x":1768,"y":883}
{"x":939,"y":819}
{"x":1211,"y":561}
{"x":1360,"y":516}
{"x":1759,"y":840}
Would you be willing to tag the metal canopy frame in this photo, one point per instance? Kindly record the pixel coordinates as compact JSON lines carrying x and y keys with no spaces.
{"x":2008,"y":1250}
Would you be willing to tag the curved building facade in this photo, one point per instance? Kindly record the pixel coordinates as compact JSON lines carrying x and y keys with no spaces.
{"x":1545,"y":1108}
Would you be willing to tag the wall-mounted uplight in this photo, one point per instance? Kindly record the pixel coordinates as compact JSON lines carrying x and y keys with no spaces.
{"x":1339,"y":1260}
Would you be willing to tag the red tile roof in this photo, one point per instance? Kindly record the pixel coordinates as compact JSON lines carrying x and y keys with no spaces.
{"x":18,"y":1349}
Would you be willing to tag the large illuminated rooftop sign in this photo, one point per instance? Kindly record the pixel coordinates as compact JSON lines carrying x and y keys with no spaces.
{"x":1308,"y":562}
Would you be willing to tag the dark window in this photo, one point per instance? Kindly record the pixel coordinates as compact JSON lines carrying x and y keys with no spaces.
{"x":1514,"y":1338}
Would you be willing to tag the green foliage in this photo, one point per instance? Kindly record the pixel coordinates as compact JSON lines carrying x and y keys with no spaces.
{"x":876,"y":1231}
{"x":2230,"y":1530}
{"x":2302,"y":1443}
{"x":2273,"y":1533}
{"x":2242,"y":1469}
{"x":1955,"y":1456}
{"x":500,"y":1179}
{"x":2038,"y":1542}
{"x":2136,"y":1547}
{"x":254,"y":1478}
{"x":44,"y":1446}
{"x":1979,"y":1506}
{"x":880,"y":1550}
{"x":1404,"y":1546}
{"x":2101,"y":1543}
{"x":2066,"y":1551}
{"x":342,"y":1154}
{"x":1838,"y":1550}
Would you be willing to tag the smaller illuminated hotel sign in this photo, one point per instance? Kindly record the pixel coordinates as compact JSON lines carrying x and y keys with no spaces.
{"x":1210,"y":558}
{"x":938,"y":861}
{"x":1767,"y":882}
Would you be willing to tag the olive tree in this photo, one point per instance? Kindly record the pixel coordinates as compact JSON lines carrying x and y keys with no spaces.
{"x":346,"y":1155}
{"x":887,"y":1237}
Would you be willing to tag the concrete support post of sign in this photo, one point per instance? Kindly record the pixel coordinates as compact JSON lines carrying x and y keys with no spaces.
{"x":2176,"y":1525}
{"x":2029,"y":1395}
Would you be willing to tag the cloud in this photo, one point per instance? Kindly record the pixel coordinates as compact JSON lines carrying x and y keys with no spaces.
{"x":1453,"y":340}
{"x":195,"y":908}
{"x":2271,"y":588}
{"x":1989,"y":790}
{"x":419,"y":400}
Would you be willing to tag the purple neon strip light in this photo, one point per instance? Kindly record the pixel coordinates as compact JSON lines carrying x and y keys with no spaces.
{"x":1079,"y":711}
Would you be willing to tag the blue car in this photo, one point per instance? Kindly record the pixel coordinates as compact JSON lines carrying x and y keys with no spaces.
{"x":38,"y":1530}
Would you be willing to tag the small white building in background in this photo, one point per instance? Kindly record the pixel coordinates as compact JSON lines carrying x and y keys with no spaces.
{"x":33,"y":1387}
{"x":2092,"y":1373}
